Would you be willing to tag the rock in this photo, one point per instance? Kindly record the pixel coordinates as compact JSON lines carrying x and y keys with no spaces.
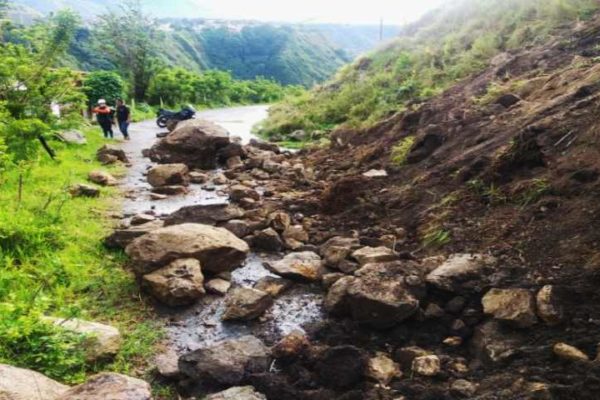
{"x":110,"y":386}
{"x":493,"y":344}
{"x":376,"y":173}
{"x":298,"y":136}
{"x":121,"y":238}
{"x":209,"y":214}
{"x":342,"y":366}
{"x":426,"y":365}
{"x":406,"y":355}
{"x":259,"y":144}
{"x":72,"y":137}
{"x":156,"y":196}
{"x":114,"y":151}
{"x":217,"y":249}
{"x":279,"y":221}
{"x":383,"y":369}
{"x":25,"y":384}
{"x":238,"y":393}
{"x":220,"y":179}
{"x":194,"y":142}
{"x":239,"y":192}
{"x":337,"y":249}
{"x":268,"y":240}
{"x":107,"y":159}
{"x":516,"y":306}
{"x":234,"y":162}
{"x":232,"y":150}
{"x":170,"y":190}
{"x":329,"y":279}
{"x":336,"y":301}
{"x":102,"y":178}
{"x":246,"y":304}
{"x":168,"y":175}
{"x":178,"y":284}
{"x":239,"y":228}
{"x":167,"y":365}
{"x":228,"y":362}
{"x":218,"y":286}
{"x":272,"y":166}
{"x":291,"y":345}
{"x":305,"y":266}
{"x":295,"y":232}
{"x":434,"y":311}
{"x":198,"y":177}
{"x":458,"y":270}
{"x":101,"y":342}
{"x":463,"y":388}
{"x":548,"y":308}
{"x":368,"y":255}
{"x":83,"y":190}
{"x":507,"y":100}
{"x":273,"y":286}
{"x":569,"y":353}
{"x":141,"y":219}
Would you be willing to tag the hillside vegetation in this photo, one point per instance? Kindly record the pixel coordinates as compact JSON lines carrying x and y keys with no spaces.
{"x":429,"y":56}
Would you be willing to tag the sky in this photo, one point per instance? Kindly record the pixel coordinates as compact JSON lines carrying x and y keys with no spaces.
{"x":307,"y":11}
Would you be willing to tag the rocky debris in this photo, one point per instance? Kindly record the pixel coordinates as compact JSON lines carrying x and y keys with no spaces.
{"x":234,"y":162}
{"x":198,"y":177}
{"x":238,"y":393}
{"x":261,"y":145}
{"x":121,"y":238}
{"x":168,"y":175}
{"x":238,"y":227}
{"x":377,"y":295}
{"x":141,"y":219}
{"x":291,"y":345}
{"x":72,"y":137}
{"x":110,"y":386}
{"x":83,"y":190}
{"x":167,"y":364}
{"x":548,"y":307}
{"x":406,"y":355}
{"x":25,"y":384}
{"x":218,"y":286}
{"x":295,"y":232}
{"x":101,"y":341}
{"x":383,"y":369}
{"x":112,"y":151}
{"x":267,"y":240}
{"x":209,"y":214}
{"x":368,"y":255}
{"x":376,"y":173}
{"x":516,"y":306}
{"x":272,"y":285}
{"x":337,"y":249}
{"x":279,"y":221}
{"x":178,"y":284}
{"x":194,"y":142}
{"x":228,"y":362}
{"x":329,"y":279}
{"x":569,"y":353}
{"x":305,"y":266}
{"x":426,"y":365}
{"x":220,"y":179}
{"x":493,"y":344}
{"x":460,"y":271}
{"x":463,"y":389}
{"x":217,"y":249}
{"x":102,"y":178}
{"x":246,"y":304}
{"x":239,"y":192}
{"x":156,"y":196}
{"x":173,"y":190}
{"x":342,"y":366}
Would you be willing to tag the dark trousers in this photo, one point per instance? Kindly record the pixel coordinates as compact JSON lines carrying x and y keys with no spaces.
{"x":124,"y":128}
{"x":107,"y":129}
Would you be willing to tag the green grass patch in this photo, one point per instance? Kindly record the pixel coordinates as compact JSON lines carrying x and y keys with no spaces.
{"x":400,"y":151}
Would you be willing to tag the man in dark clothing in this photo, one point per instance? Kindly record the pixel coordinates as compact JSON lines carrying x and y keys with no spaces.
{"x":124,"y":118}
{"x":105,"y":117}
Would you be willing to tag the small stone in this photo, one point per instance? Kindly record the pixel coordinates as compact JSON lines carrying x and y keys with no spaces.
{"x":456,"y":305}
{"x":168,"y":175}
{"x":516,"y":306}
{"x":434,"y":311}
{"x":569,"y":353}
{"x":239,"y":192}
{"x":376,"y":173}
{"x":166,"y":364}
{"x":170,"y":190}
{"x":218,"y":286}
{"x":110,"y":386}
{"x":383,"y":369}
{"x":268,"y":240}
{"x":246,"y":304}
{"x":272,"y":285}
{"x":304,"y":265}
{"x":453,"y":341}
{"x":548,"y":308}
{"x":279,"y":221}
{"x":234,"y":162}
{"x":156,"y":196}
{"x":329,"y":279}
{"x":102,"y":178}
{"x":141,"y":219}
{"x":368,"y":255}
{"x":178,"y":284}
{"x":238,"y":393}
{"x":296,"y":232}
{"x":220,"y":179}
{"x":463,"y":388}
{"x":83,"y":190}
{"x":198,"y":177}
{"x":291,"y":345}
{"x":406,"y":355}
{"x":238,"y":227}
{"x":426,"y":365}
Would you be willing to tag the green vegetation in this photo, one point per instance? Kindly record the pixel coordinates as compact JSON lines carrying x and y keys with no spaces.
{"x":103,"y":85}
{"x":400,"y":151}
{"x":431,"y":55}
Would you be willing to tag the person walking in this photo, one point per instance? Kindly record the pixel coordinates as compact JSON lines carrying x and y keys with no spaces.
{"x":123,"y":118}
{"x":105,"y":118}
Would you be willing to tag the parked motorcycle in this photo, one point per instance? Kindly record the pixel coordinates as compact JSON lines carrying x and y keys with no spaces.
{"x":166,"y":116}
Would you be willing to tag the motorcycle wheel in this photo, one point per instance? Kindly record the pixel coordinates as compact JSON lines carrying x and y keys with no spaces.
{"x":162,"y":122}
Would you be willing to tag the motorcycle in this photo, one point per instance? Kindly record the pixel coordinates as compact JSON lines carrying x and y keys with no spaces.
{"x":166,"y":116}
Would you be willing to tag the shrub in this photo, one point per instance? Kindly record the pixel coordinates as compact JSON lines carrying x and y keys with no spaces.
{"x":401,"y":150}
{"x":103,"y":85}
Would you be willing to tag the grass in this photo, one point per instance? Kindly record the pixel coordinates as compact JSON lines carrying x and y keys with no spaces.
{"x":401,"y":150}
{"x":52,"y":262}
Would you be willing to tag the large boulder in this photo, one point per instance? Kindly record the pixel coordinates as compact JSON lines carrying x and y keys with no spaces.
{"x":169,"y":175}
{"x":178,"y":284}
{"x":110,"y":386}
{"x":209,"y":214}
{"x":112,"y":151}
{"x":246,"y":304}
{"x":25,"y":384}
{"x":238,"y":393}
{"x":102,"y":341}
{"x":122,"y":237}
{"x":515,"y":306}
{"x":460,"y":271}
{"x":217,"y":249}
{"x":195,"y":143}
{"x":228,"y":362}
{"x":378,"y":295}
{"x":304,"y":266}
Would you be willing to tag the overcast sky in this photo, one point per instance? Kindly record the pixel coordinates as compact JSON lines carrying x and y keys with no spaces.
{"x":339,"y":11}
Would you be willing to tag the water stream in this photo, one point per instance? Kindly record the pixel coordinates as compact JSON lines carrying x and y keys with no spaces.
{"x":200,"y":325}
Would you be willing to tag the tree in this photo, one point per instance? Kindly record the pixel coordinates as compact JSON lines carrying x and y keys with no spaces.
{"x":128,"y":39}
{"x":103,"y":85}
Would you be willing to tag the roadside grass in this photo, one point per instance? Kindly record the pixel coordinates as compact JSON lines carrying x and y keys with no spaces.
{"x":52,"y":262}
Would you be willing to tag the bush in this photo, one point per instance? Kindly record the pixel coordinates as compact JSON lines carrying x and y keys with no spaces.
{"x":401,"y":150}
{"x":103,"y":85}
